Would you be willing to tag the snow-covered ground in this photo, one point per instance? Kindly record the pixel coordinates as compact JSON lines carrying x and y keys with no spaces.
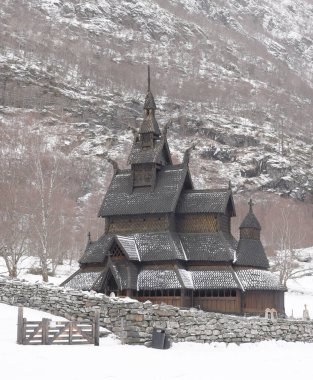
{"x":111,"y":360}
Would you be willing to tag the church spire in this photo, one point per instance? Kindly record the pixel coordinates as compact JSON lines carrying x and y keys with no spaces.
{"x":148,"y":78}
{"x":149,"y":124}
{"x":149,"y":101}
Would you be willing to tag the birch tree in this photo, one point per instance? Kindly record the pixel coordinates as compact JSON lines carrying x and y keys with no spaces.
{"x":14,"y":223}
{"x":285,"y":259}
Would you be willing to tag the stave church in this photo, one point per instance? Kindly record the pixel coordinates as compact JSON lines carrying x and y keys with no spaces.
{"x":166,"y":241}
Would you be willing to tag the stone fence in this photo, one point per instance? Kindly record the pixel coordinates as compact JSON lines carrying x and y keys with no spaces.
{"x":134,"y":321}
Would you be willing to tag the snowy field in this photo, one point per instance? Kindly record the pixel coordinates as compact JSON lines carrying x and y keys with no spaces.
{"x":111,"y":360}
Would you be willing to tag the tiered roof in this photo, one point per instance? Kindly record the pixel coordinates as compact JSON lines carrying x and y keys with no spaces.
{"x":165,"y":246}
{"x":214,"y":277}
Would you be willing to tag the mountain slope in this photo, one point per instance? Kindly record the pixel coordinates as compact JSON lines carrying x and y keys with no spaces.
{"x":235,"y":76}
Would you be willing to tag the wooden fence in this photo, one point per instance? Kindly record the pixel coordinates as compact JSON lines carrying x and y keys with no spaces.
{"x":60,"y":332}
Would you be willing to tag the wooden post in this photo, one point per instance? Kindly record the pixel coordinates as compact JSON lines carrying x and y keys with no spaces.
{"x":70,"y":332}
{"x":45,"y":331}
{"x":20,"y":325}
{"x":96,"y":326}
{"x":24,"y":340}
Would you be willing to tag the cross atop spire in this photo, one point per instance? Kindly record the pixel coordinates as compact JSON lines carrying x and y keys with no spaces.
{"x":250,"y":203}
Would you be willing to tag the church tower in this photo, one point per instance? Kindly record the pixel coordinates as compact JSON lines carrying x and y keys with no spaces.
{"x":250,"y":251}
{"x":150,"y":149}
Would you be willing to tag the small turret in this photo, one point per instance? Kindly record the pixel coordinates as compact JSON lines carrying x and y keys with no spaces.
{"x":250,"y":251}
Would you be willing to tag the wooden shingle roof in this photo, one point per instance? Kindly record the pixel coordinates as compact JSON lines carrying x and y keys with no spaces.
{"x":200,"y":201}
{"x":159,"y":279}
{"x":215,"y":246}
{"x":120,"y":199}
{"x":250,"y":221}
{"x":250,"y":252}
{"x":165,"y":246}
{"x":149,"y":124}
{"x":254,"y":279}
{"x":222,"y":277}
{"x":175,"y":277}
{"x":83,"y":279}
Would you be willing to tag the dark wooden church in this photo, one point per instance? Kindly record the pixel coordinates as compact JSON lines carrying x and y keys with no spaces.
{"x":165,"y":241}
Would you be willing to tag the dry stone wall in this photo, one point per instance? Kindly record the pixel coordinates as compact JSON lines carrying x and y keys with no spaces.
{"x":134,"y":321}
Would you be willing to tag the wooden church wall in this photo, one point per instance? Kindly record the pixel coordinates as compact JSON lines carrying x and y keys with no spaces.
{"x":258,"y":301}
{"x":197,"y":223}
{"x":139,"y":223}
{"x":225,"y":304}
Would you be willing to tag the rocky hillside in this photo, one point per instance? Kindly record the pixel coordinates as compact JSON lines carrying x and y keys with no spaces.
{"x":233,"y":76}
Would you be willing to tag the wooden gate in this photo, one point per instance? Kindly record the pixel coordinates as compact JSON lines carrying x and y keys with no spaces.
{"x":60,"y":332}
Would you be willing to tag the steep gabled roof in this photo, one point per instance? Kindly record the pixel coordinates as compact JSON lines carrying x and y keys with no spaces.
{"x":200,"y":201}
{"x":120,"y":199}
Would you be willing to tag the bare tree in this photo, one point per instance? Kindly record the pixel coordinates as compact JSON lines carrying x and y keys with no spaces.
{"x":14,"y":223}
{"x":285,"y":259}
